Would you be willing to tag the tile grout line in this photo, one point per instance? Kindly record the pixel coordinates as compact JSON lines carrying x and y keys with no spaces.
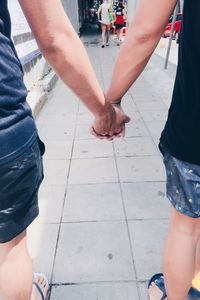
{"x":126,"y":221}
{"x":150,"y":135}
{"x":64,"y":201}
{"x":106,"y":221}
{"x":97,"y":282}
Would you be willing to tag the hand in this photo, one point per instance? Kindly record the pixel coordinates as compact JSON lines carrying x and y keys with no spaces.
{"x":111,"y":124}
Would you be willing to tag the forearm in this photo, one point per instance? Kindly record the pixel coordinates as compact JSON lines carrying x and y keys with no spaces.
{"x":99,"y":12}
{"x":72,"y":65}
{"x":144,"y":34}
{"x":63,"y":49}
{"x":129,"y":67}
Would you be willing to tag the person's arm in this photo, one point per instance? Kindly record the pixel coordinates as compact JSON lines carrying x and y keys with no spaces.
{"x":124,"y":14}
{"x":99,"y":12}
{"x":143,"y":36}
{"x":115,"y":17}
{"x":63,"y":49}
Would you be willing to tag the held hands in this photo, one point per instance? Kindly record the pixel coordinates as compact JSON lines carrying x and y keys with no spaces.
{"x":111,"y":124}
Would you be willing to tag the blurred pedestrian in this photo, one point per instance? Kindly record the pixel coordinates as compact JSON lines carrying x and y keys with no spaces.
{"x":105,"y":17}
{"x":120,"y":17}
{"x":93,"y":15}
{"x":21,"y":168}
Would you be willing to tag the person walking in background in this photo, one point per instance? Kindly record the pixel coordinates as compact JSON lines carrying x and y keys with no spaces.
{"x":105,"y":17}
{"x":21,"y":168}
{"x":120,"y":17}
{"x":179,"y":143}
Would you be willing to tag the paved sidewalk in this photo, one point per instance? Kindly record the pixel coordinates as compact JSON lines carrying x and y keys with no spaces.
{"x":104,"y":214}
{"x":162,"y":50}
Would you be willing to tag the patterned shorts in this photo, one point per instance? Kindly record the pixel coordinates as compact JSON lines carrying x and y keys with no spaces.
{"x":183,"y":185}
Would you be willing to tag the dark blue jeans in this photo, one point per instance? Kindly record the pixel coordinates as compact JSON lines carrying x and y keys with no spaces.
{"x":19,"y":183}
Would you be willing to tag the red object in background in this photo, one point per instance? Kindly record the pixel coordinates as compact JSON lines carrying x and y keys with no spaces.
{"x":177,"y":28}
{"x":124,"y":31}
{"x":119,"y":19}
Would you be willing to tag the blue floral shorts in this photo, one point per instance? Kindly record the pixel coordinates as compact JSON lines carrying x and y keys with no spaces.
{"x":183,"y":185}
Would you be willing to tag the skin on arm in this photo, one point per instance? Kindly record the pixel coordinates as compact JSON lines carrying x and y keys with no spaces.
{"x":144,"y":34}
{"x":64,"y":51}
{"x":124,"y":14}
{"x":99,"y":12}
{"x":114,"y":17}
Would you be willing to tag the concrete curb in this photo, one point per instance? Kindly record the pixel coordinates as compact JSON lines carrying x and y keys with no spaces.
{"x":38,"y":95}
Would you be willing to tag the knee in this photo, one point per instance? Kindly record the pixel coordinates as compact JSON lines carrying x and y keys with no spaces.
{"x":13,"y":249}
{"x":186,"y":225}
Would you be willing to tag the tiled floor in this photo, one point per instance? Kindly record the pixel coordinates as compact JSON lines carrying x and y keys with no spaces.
{"x":104,"y":214}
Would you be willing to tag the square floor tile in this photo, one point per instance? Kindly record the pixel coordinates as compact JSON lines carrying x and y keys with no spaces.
{"x":145,"y":200}
{"x":55,"y":172}
{"x":83,"y":133}
{"x":138,"y":146}
{"x":155,"y":128}
{"x":129,"y":106}
{"x":141,"y":168}
{"x":104,"y":291}
{"x":58,"y":149}
{"x":143,"y":288}
{"x":154,"y":115}
{"x":51,"y":199}
{"x":137,"y":128}
{"x":148,"y":238}
{"x":156,"y":139}
{"x":151,"y":105}
{"x":94,"y":202}
{"x":56,"y":133}
{"x":66,"y":104}
{"x":144,"y":96}
{"x":60,"y":119}
{"x":42,"y":239}
{"x":91,"y":252}
{"x":97,"y":170}
{"x":85,"y":118}
{"x":92,"y":149}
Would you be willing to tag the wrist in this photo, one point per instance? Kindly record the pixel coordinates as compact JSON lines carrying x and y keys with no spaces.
{"x":113,"y":101}
{"x":116,"y":103}
{"x":107,"y":109}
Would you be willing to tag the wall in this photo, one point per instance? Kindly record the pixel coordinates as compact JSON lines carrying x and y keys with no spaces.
{"x":33,"y":63}
{"x":35,"y":66}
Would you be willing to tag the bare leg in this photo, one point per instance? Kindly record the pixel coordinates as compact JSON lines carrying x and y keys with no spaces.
{"x":196,"y":280}
{"x":180,"y":257}
{"x":180,"y":254}
{"x":103,"y":28}
{"x":197,"y":260}
{"x":107,"y":34}
{"x":15,"y":270}
{"x":118,"y":37}
{"x":120,"y":34}
{"x":16,"y":274}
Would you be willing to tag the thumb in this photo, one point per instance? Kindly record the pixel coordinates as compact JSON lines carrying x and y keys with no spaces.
{"x":127,"y":119}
